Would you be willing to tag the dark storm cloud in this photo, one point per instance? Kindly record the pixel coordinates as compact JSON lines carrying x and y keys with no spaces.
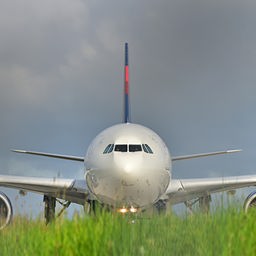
{"x":192,"y":78}
{"x":192,"y":59}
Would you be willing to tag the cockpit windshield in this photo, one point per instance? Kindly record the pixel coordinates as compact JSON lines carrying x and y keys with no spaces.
{"x":121,"y":147}
{"x":131,"y":147}
{"x":135,"y":148}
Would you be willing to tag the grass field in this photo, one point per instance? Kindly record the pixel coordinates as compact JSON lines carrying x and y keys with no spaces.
{"x":224,"y":232}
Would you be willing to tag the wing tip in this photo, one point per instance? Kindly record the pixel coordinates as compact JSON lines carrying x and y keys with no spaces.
{"x":234,"y":150}
{"x":18,"y":151}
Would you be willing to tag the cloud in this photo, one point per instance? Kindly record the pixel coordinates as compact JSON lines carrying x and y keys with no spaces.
{"x":192,"y":66}
{"x":32,"y":168}
{"x":33,"y":30}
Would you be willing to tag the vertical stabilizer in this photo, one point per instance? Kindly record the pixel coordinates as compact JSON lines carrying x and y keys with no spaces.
{"x":126,"y":87}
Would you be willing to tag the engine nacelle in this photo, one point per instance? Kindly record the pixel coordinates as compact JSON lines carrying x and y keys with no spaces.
{"x":5,"y":210}
{"x":250,"y":201}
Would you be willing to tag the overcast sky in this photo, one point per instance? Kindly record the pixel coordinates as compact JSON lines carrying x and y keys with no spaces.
{"x":192,"y":78}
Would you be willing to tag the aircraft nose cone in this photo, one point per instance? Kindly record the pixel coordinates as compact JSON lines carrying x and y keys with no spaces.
{"x":128,"y":168}
{"x":129,"y":165}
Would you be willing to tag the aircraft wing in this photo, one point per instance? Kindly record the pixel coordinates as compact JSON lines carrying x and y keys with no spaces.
{"x":181,"y":190}
{"x":72,"y":190}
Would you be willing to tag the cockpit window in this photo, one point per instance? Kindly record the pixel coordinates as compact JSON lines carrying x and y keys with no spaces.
{"x":144,"y":148}
{"x":147,"y":148}
{"x":108,"y":149}
{"x":124,"y":148}
{"x":121,"y":147}
{"x":135,"y":148}
{"x":111,"y":148}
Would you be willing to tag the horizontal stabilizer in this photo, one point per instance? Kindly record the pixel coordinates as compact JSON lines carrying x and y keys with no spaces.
{"x":176,"y":158}
{"x":72,"y":158}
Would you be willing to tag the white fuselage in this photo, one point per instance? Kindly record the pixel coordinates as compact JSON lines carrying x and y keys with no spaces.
{"x":128,"y":165}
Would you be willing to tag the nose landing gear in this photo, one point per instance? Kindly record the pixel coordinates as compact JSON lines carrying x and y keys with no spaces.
{"x":160,"y":206}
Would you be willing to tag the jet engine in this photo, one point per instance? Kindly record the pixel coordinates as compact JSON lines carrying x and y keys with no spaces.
{"x":250,"y":201}
{"x":5,"y":210}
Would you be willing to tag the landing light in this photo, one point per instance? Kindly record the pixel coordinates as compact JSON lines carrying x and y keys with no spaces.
{"x":133,"y":210}
{"x":125,"y":210}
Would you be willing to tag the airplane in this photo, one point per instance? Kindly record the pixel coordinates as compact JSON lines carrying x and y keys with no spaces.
{"x":128,"y":168}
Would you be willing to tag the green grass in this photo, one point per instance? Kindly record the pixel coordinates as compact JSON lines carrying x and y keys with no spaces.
{"x":225,"y":232}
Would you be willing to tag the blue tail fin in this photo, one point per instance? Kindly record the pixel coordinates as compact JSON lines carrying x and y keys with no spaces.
{"x":126,"y":87}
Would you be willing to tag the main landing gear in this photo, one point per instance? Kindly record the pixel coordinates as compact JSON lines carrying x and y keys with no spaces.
{"x":203,"y":202}
{"x":49,"y":208}
{"x":90,"y":207}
